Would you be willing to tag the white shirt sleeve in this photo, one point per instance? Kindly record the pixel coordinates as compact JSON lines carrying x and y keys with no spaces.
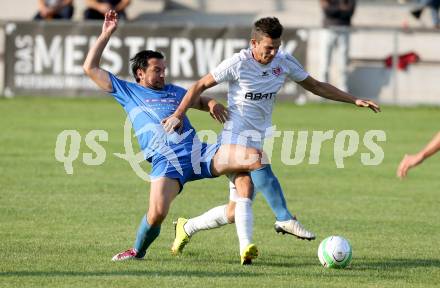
{"x":226,"y":71}
{"x":296,"y":70}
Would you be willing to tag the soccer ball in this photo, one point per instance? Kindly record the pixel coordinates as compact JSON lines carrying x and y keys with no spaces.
{"x":334,"y":252}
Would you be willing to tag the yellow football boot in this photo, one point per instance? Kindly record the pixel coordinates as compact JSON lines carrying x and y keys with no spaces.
{"x":181,"y":238}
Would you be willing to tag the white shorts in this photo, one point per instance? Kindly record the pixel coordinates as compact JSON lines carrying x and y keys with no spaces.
{"x":228,"y":137}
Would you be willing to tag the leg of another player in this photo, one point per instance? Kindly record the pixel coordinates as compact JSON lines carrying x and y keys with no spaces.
{"x":236,"y":159}
{"x":266,"y":182}
{"x":327,"y":45}
{"x":185,"y":228}
{"x":244,"y":219}
{"x":228,"y":159}
{"x":162,"y":193}
{"x":343,"y":55}
{"x":213,"y":218}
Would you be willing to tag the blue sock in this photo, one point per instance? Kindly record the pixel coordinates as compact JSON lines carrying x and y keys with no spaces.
{"x":266,"y":182}
{"x":146,"y":234}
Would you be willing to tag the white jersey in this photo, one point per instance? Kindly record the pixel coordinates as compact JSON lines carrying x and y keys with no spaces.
{"x":253,"y":88}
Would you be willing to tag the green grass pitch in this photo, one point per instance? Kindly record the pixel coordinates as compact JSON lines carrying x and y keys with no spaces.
{"x":60,"y":230}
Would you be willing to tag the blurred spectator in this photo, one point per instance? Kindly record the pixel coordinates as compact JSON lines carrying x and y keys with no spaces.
{"x":54,"y":9}
{"x":337,"y":20}
{"x":433,"y":5}
{"x":96,"y":9}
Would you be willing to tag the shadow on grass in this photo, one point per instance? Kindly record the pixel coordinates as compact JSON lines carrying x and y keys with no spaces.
{"x":358,"y":264}
{"x":371,"y":264}
{"x":289,"y":261}
{"x":139,"y":273}
{"x":287,"y":264}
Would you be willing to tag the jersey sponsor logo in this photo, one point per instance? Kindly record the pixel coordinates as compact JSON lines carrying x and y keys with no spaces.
{"x":277,"y":71}
{"x":170,"y":94}
{"x":162,"y":100}
{"x":259,"y":96}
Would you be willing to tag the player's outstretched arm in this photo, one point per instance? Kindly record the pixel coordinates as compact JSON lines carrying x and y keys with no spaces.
{"x":192,"y":97}
{"x":329,"y":91}
{"x":91,"y":64}
{"x":410,"y":161}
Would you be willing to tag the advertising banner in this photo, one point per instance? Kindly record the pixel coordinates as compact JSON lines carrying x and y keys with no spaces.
{"x":46,"y":58}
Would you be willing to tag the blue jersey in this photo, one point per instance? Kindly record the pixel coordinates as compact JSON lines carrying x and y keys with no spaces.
{"x":146,"y":109}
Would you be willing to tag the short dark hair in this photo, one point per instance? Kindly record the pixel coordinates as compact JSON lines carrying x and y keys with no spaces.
{"x":140,"y":61}
{"x":269,"y":27}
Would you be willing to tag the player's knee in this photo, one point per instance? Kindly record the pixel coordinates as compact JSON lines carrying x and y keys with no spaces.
{"x":230,"y":213}
{"x":156,"y":216}
{"x":257,"y":155}
{"x":243,"y":183}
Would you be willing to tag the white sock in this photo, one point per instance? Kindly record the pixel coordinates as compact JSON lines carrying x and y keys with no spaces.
{"x":244,"y":221}
{"x":214,"y":218}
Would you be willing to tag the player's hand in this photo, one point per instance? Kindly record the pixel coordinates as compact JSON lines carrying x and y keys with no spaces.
{"x":367,"y":103}
{"x":110,"y":22}
{"x":408,"y":162}
{"x":172,"y":123}
{"x":219,"y":112}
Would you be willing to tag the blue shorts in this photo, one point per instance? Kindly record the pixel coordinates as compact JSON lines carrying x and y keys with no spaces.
{"x":189,"y":166}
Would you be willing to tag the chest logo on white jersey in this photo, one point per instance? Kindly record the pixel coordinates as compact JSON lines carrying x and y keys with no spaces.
{"x":265,"y":73}
{"x":259,"y":96}
{"x":277,"y":71}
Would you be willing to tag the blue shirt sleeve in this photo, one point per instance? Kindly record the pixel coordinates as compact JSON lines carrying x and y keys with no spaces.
{"x":180,"y":92}
{"x":120,"y":89}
